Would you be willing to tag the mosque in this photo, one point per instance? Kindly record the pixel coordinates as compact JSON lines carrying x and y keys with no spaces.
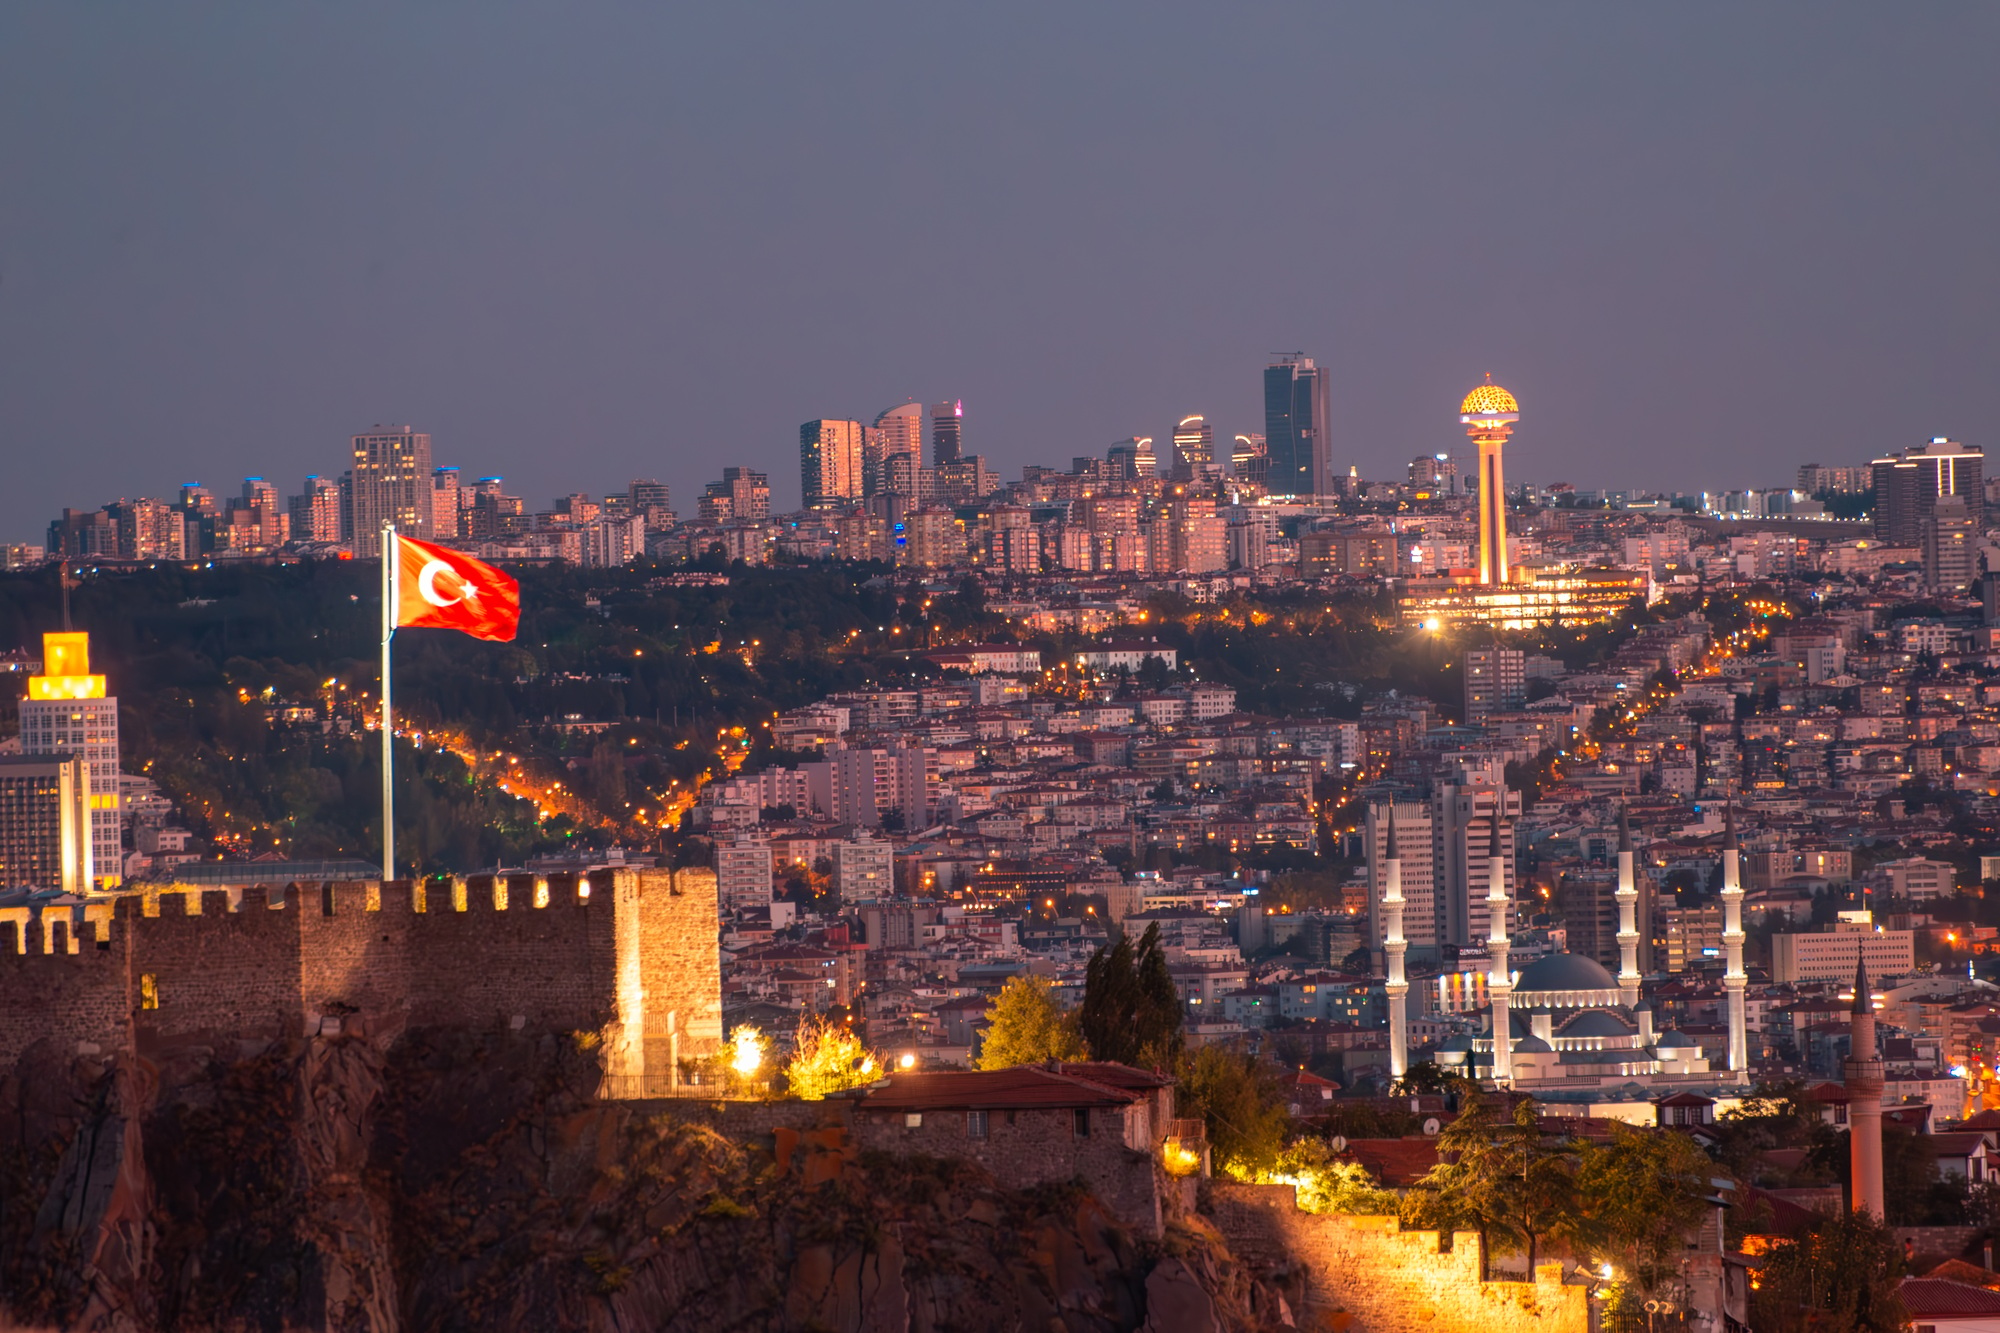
{"x":1573,"y":1031}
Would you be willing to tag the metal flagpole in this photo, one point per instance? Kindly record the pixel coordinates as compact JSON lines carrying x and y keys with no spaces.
{"x":388,"y":734}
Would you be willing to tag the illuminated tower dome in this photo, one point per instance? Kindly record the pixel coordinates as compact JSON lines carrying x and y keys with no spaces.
{"x":1488,"y":415}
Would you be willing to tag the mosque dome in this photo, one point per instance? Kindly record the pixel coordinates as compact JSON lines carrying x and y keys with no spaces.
{"x":1596,"y":1023}
{"x":1489,"y":399}
{"x":1672,"y":1040}
{"x":1564,"y":972}
{"x":1532,"y":1046}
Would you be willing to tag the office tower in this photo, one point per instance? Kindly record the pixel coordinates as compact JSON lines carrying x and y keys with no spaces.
{"x":1297,"y":412}
{"x":1248,"y":460}
{"x":490,"y":513}
{"x":199,"y":513}
{"x":947,"y":432}
{"x":148,"y":529}
{"x":1496,"y":681}
{"x":1950,"y":540}
{"x":1488,"y":415}
{"x":1461,"y":829}
{"x":829,"y":462}
{"x":898,"y":431}
{"x":315,"y":511}
{"x":1194,"y":448}
{"x":904,"y":475}
{"x":1132,"y":460}
{"x":1909,"y":482}
{"x":67,"y":712}
{"x":253,"y":521}
{"x":80,"y":534}
{"x":391,"y":484}
{"x":45,"y":823}
{"x":966,"y":479}
{"x":445,"y":503}
{"x":1412,"y":854}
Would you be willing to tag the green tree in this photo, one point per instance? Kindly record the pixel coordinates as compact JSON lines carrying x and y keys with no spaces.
{"x":1236,"y":1097}
{"x":1505,"y":1179}
{"x":1131,"y":1012}
{"x":1328,"y":1185}
{"x":1638,"y":1197}
{"x":1026,"y":1026}
{"x":1427,"y":1076}
{"x":1835,"y":1274}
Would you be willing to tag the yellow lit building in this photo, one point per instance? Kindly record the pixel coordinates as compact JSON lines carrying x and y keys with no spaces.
{"x":1535,"y":598}
{"x":67,"y":712}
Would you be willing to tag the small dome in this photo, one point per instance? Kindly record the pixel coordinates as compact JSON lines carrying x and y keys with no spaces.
{"x":1457,"y":1042}
{"x":1671,"y":1040}
{"x":1563,"y":972}
{"x":1533,"y":1046}
{"x":1489,"y":399}
{"x":1596,"y":1023}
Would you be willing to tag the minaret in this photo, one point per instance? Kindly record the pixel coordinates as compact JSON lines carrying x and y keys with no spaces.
{"x":1733,"y":980}
{"x":1394,"y":946}
{"x":1628,"y":917}
{"x":1500,"y":982}
{"x":1864,"y":1098}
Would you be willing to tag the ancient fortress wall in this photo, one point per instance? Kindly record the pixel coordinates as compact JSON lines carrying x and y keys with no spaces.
{"x":623,"y":954}
{"x":1389,"y":1280}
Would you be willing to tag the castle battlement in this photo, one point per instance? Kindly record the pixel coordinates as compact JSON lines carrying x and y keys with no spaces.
{"x":628,"y":954}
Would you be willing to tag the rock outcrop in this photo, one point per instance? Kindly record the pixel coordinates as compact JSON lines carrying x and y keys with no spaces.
{"x":444,"y":1181}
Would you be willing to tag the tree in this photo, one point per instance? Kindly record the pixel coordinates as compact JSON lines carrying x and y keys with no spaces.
{"x":1638,"y":1197}
{"x":828,"y":1059}
{"x":1505,"y":1179}
{"x":1327,"y":1185}
{"x":1026,"y":1026}
{"x":1236,"y":1097}
{"x":1427,"y":1076}
{"x":1835,"y":1274}
{"x":1131,"y":1012}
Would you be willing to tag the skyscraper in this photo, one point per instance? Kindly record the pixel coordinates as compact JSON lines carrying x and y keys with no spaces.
{"x":829,"y":462}
{"x":316,"y":511}
{"x":1297,"y":409}
{"x":1132,"y":460}
{"x":1194,"y":447}
{"x":68,"y":713}
{"x":391,"y":484}
{"x":444,"y":503}
{"x":1249,"y":461}
{"x":1950,"y":540}
{"x":897,"y":431}
{"x":947,"y":431}
{"x":1488,"y":415}
{"x":45,"y":822}
{"x":1909,"y":482}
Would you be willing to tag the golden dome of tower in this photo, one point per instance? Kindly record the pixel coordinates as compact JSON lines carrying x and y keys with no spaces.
{"x":1489,"y":399}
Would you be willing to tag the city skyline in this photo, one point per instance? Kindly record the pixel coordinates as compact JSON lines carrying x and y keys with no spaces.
{"x":1733,"y":218}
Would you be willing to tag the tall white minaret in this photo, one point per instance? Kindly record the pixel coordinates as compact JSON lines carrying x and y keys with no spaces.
{"x":1394,"y":946}
{"x":1500,"y":982}
{"x":1628,"y":916}
{"x":1734,"y":981}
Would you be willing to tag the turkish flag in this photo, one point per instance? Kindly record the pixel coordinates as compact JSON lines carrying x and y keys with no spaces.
{"x":440,"y":589}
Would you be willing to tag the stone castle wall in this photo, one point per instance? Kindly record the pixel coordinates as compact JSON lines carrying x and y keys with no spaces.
{"x":1389,"y":1280}
{"x":624,"y":954}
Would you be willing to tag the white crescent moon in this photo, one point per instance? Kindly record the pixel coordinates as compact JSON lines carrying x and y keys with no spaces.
{"x":427,"y":584}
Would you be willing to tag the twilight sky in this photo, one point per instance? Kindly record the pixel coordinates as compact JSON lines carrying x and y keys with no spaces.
{"x":581,"y":243}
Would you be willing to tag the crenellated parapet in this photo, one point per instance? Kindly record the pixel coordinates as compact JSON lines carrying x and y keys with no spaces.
{"x":629,"y":955}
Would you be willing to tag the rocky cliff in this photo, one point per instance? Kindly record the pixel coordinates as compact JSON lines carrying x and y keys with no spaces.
{"x":444,"y":1181}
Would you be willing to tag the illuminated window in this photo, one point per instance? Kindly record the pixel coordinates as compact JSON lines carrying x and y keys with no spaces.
{"x":149,"y":991}
{"x":913,"y":1120}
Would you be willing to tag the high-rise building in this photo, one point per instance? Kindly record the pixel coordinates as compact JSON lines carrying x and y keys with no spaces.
{"x":1909,"y":482}
{"x":445,"y":503}
{"x":1194,"y":448}
{"x":1248,"y":460}
{"x":316,"y":511}
{"x":1488,"y":415}
{"x":743,"y":871}
{"x":67,"y":712}
{"x":1818,"y":479}
{"x":391,"y":484}
{"x":829,"y":462}
{"x":1951,"y":537}
{"x":1461,"y":832}
{"x":743,"y":495}
{"x":1132,"y":460}
{"x":897,"y":432}
{"x":1496,"y":681}
{"x":1411,"y":826}
{"x":1297,"y":410}
{"x":1432,"y":472}
{"x":45,"y":822}
{"x":947,"y":432}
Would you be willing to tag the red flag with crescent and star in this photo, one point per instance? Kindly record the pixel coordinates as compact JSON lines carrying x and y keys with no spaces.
{"x":440,"y":589}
